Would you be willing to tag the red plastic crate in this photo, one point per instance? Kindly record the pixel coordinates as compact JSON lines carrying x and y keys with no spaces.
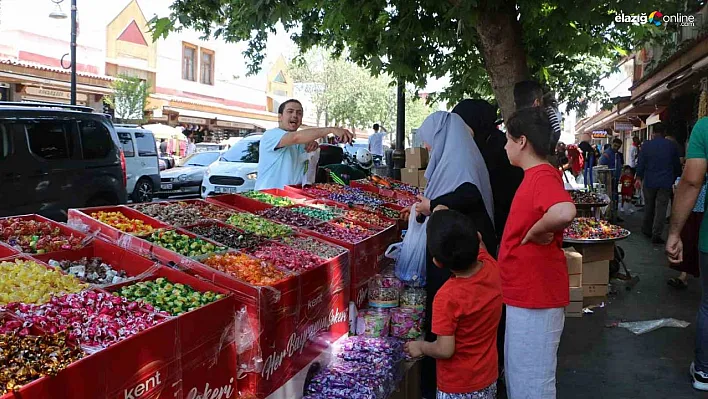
{"x":81,"y":218}
{"x":6,"y":251}
{"x":65,"y":230}
{"x":239,"y":202}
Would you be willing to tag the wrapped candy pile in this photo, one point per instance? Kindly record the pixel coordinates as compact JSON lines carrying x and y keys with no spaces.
{"x":373,"y":323}
{"x":268,"y":198}
{"x":324,"y":214}
{"x":356,"y":197}
{"x":183,"y":244}
{"x":593,"y":229}
{"x":387,"y":212}
{"x":582,"y":197}
{"x":364,"y":368}
{"x":414,"y":298}
{"x":31,"y":282}
{"x":289,"y":217}
{"x":406,"y":323}
{"x":309,"y":244}
{"x":259,"y":226}
{"x":322,"y":190}
{"x":25,"y":358}
{"x":384,"y":290}
{"x":246,"y":268}
{"x":164,"y":295}
{"x":93,"y":319}
{"x":369,"y":218}
{"x":123,"y":223}
{"x":344,"y":231}
{"x":184,"y":213}
{"x":295,"y":260}
{"x":227,"y":236}
{"x":91,"y":270}
{"x":36,"y":237}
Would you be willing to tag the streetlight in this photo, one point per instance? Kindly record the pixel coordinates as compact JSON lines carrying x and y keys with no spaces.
{"x":59,"y":14}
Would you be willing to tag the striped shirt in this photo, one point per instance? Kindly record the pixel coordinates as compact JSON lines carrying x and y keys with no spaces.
{"x":554,"y":118}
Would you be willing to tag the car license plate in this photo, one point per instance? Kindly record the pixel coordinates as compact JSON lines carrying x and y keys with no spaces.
{"x":226,"y":190}
{"x":166,"y":186}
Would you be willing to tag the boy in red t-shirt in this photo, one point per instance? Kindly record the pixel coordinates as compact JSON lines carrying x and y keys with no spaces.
{"x":466,"y":310}
{"x":532,"y":264}
{"x":627,"y":183}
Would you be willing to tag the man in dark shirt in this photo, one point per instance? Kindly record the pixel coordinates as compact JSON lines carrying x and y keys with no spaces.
{"x":659,"y":166}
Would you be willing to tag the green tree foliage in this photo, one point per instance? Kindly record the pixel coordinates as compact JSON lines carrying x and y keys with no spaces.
{"x":485,"y":46}
{"x":345,"y":94}
{"x":129,"y":98}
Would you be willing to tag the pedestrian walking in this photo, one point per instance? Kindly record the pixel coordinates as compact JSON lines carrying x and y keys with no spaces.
{"x":532,"y":262}
{"x":658,"y":167}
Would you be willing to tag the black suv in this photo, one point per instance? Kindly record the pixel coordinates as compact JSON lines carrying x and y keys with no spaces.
{"x":56,"y":157}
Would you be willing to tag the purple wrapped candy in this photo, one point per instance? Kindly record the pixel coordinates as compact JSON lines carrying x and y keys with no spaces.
{"x":406,"y":323}
{"x":373,"y":323}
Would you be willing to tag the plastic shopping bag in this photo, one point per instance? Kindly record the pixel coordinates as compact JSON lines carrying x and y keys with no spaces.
{"x":410,"y":265}
{"x":311,"y":160}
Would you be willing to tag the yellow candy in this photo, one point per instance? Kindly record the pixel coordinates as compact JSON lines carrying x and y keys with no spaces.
{"x":30,"y":282}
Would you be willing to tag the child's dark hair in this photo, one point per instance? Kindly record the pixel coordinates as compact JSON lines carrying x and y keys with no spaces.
{"x":627,"y":168}
{"x":532,"y":123}
{"x":452,"y":240}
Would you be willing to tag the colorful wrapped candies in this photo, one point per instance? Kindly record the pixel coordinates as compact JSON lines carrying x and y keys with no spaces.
{"x":31,"y":282}
{"x":384,"y":290}
{"x":268,"y":198}
{"x":414,"y":298}
{"x":36,"y":237}
{"x":373,"y":323}
{"x":245,"y":268}
{"x":406,"y":323}
{"x":164,"y":295}
{"x":259,"y":226}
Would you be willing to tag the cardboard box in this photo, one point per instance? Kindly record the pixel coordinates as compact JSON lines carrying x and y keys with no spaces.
{"x":575,"y":309}
{"x":596,"y":252}
{"x":576,"y":294}
{"x":595,"y":273}
{"x":595,"y":290}
{"x":416,"y":158}
{"x":575,"y":280}
{"x":414,"y":177}
{"x":574,"y":260}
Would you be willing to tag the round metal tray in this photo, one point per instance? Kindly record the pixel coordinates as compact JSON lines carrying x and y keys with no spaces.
{"x":595,"y":241}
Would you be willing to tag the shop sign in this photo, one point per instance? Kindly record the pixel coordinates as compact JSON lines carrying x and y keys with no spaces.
{"x":190,"y":120}
{"x":234,"y":125}
{"x":623,"y":126}
{"x":52,"y":93}
{"x":599,"y":134}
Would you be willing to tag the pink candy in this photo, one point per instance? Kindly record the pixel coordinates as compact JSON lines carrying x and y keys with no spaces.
{"x":95,"y":319}
{"x":289,"y":258}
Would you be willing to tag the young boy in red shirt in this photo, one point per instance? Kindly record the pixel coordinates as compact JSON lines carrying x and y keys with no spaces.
{"x":532,"y":264}
{"x":627,"y":183}
{"x":466,"y":310}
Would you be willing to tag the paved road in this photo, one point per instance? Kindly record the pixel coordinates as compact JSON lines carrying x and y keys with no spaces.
{"x":600,"y":362}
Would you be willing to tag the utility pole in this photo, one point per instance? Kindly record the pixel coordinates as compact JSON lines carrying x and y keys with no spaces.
{"x":399,"y":155}
{"x":73,"y":52}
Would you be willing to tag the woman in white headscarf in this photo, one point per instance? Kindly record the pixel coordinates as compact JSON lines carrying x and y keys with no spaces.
{"x":457,"y":179}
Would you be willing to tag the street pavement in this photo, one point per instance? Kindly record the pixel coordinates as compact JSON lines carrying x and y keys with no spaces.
{"x":597,"y":361}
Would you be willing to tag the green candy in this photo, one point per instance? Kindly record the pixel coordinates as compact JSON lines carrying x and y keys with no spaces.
{"x":165,"y":296}
{"x":183,"y":244}
{"x":259,"y":226}
{"x":320,"y":214}
{"x":268,"y":198}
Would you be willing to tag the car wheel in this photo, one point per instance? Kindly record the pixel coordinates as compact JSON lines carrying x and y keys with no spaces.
{"x":143,"y":191}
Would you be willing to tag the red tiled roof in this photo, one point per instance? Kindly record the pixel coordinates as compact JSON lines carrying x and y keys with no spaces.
{"x":40,"y":67}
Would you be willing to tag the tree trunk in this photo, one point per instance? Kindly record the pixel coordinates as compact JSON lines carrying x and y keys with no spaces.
{"x":501,"y":44}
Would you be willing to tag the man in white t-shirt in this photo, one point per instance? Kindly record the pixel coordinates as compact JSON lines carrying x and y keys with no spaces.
{"x":191,"y":147}
{"x":280,"y":162}
{"x":376,"y":141}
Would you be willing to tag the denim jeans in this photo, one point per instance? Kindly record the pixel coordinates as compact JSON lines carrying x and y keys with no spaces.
{"x":702,"y":318}
{"x":657,"y":202}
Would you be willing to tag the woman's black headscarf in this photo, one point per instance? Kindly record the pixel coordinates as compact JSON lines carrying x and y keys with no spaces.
{"x":481,"y":117}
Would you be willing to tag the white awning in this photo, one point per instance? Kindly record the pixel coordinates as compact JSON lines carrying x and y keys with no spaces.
{"x":226,"y":120}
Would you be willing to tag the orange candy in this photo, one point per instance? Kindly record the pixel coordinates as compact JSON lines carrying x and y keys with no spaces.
{"x":246,"y":268}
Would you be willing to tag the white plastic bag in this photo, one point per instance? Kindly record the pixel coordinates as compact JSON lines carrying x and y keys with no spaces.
{"x":410,"y":264}
{"x":311,"y":160}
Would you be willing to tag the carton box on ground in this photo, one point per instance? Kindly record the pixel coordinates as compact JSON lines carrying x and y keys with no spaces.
{"x":574,"y":260}
{"x":574,"y":309}
{"x":575,"y":280}
{"x":596,"y":252}
{"x":594,"y":290}
{"x":576,"y":294}
{"x":596,"y":273}
{"x":416,"y":158}
{"x":414,"y":177}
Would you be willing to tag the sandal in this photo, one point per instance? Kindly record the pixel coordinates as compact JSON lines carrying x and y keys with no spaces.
{"x":677,"y":283}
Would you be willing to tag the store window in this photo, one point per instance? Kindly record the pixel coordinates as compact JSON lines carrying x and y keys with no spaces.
{"x":146,"y":145}
{"x":189,"y":62}
{"x":207,"y":67}
{"x":126,"y":143}
{"x":96,"y":140}
{"x":51,"y":140}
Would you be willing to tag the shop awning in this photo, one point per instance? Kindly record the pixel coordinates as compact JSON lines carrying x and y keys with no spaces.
{"x":161,"y":131}
{"x":656,"y":116}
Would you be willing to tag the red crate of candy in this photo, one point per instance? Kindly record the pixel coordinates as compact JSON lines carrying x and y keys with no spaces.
{"x":35,"y":234}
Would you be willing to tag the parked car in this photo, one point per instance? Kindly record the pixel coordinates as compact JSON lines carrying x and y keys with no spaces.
{"x":236,"y":170}
{"x":55,"y":157}
{"x":187,"y":178}
{"x":203,"y":147}
{"x":141,"y":160}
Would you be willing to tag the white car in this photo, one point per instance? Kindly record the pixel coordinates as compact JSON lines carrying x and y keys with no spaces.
{"x":142,"y":165}
{"x":236,"y":170}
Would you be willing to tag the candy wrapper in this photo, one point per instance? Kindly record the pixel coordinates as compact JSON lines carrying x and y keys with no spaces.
{"x":414,"y":298}
{"x":406,"y":323}
{"x":373,"y":323}
{"x":384,"y":290}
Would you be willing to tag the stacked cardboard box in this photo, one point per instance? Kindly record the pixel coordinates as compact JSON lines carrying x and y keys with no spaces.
{"x":416,"y":162}
{"x":575,"y":277}
{"x":596,"y":269}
